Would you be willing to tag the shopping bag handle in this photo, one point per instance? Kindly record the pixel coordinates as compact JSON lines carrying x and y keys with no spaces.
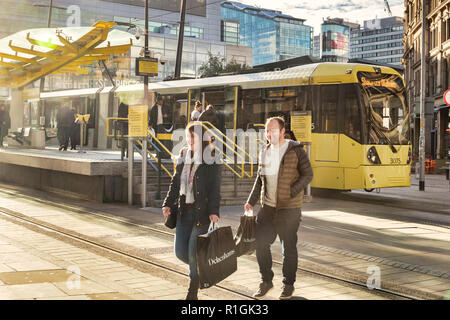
{"x":248,"y":213}
{"x":213,"y":226}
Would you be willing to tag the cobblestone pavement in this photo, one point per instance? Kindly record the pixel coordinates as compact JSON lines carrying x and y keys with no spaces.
{"x":39,"y":264}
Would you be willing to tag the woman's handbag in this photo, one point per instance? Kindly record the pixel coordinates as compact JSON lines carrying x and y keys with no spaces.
{"x":171,"y":220}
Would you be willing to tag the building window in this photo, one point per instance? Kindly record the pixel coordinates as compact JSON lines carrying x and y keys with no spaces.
{"x":230,"y":32}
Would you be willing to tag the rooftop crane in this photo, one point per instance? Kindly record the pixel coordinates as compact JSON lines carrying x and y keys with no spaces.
{"x":388,"y":8}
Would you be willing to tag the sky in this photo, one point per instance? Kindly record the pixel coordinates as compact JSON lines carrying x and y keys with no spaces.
{"x":314,"y":11}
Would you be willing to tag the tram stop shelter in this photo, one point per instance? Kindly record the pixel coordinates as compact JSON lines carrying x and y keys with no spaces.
{"x":29,"y":55}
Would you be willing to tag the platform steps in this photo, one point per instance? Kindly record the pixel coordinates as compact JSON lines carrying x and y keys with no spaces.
{"x":232,"y":192}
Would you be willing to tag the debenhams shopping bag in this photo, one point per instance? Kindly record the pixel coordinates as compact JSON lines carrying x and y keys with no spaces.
{"x":216,"y":256}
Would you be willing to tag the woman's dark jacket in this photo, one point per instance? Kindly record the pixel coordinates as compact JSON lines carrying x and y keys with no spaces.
{"x":206,"y":187}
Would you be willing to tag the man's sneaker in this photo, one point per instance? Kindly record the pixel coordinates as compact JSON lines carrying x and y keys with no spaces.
{"x":264,"y":288}
{"x":287,"y":292}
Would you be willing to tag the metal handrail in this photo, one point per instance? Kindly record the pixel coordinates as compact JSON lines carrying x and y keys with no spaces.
{"x":156,"y":160}
{"x":214,"y":132}
{"x":165,"y":149}
{"x":148,"y":160}
{"x":108,"y":127}
{"x":149,"y":134}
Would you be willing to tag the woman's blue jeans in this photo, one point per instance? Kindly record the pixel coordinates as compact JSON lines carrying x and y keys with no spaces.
{"x":186,"y":240}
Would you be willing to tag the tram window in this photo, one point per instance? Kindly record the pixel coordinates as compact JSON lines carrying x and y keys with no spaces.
{"x":252,"y":111}
{"x":352,"y":118}
{"x":328,"y":109}
{"x":315,"y":106}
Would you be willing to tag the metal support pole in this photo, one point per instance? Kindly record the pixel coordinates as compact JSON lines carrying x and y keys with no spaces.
{"x":49,"y":23}
{"x":144,"y":173}
{"x":82,"y":124}
{"x":144,"y":139}
{"x":130,"y":170}
{"x":308,"y":188}
{"x":180,"y":39}
{"x":158,"y":191}
{"x":422,"y":102}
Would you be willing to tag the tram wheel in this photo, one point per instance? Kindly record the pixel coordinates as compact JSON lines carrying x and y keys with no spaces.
{"x":368,"y":190}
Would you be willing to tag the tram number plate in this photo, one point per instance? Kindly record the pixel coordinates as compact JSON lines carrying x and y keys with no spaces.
{"x":395,"y":161}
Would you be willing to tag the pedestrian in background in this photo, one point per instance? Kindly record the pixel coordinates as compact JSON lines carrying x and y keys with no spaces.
{"x":195,"y":114}
{"x":75,"y":138}
{"x":209,"y":115}
{"x":284,"y":171}
{"x":65,"y":118}
{"x":158,"y":115}
{"x":195,"y":191}
{"x":5,"y":123}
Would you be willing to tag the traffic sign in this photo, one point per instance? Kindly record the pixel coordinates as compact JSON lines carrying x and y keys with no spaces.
{"x":447,"y":97}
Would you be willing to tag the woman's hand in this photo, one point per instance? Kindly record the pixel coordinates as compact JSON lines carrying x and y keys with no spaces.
{"x":248,"y":207}
{"x":166,"y":211}
{"x":214,"y":218}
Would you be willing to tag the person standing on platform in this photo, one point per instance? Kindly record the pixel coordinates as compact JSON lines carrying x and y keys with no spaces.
{"x":159,"y":114}
{"x":209,"y":115}
{"x":5,"y":123}
{"x":75,"y":138}
{"x":195,"y":114}
{"x":284,"y":171}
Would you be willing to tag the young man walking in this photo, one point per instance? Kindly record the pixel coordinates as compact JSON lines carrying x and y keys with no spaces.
{"x":283,"y":173}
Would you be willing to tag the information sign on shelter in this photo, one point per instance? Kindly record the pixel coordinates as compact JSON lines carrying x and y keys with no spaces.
{"x":301,"y":125}
{"x":137,"y":121}
{"x":147,"y":67}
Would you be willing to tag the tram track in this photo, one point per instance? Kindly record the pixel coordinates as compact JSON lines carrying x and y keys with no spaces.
{"x":74,"y":236}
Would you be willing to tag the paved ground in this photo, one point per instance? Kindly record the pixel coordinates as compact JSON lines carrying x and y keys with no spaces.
{"x":35,"y":264}
{"x":436,"y":196}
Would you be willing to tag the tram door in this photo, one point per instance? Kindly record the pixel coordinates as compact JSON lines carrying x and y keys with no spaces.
{"x":325,"y":146}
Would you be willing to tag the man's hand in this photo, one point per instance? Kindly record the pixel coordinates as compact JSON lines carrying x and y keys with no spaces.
{"x":166,"y":211}
{"x":214,"y":218}
{"x":248,"y":207}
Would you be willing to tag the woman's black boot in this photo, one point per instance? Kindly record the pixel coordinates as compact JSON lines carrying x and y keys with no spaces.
{"x":193,"y":290}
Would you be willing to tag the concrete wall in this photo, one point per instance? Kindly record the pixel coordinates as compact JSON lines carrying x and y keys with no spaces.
{"x":96,"y":188}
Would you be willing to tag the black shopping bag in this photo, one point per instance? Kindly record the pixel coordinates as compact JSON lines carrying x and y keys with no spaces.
{"x":216,"y":258}
{"x":245,"y":236}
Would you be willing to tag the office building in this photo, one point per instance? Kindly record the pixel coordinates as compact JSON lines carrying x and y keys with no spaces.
{"x":379,"y":40}
{"x":272,"y":35}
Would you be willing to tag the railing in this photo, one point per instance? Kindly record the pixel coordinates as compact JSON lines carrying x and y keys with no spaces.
{"x":158,"y":150}
{"x":108,"y":134}
{"x":155,"y":142}
{"x":219,"y":135}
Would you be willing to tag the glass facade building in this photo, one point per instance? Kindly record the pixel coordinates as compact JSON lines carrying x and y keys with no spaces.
{"x":335,"y":40}
{"x":273,"y":36}
{"x":335,"y":43}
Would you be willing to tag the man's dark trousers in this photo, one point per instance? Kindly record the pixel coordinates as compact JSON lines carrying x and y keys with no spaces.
{"x":285,"y":224}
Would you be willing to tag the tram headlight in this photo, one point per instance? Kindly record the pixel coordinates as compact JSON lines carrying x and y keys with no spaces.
{"x":409,"y":156}
{"x":372,"y":156}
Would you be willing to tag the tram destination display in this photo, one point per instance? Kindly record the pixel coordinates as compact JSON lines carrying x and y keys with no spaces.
{"x":147,"y":67}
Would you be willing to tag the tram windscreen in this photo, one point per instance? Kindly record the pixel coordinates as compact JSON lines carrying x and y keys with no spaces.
{"x":384,"y":100}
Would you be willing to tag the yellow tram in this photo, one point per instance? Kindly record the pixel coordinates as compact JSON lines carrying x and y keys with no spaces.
{"x":360,"y":117}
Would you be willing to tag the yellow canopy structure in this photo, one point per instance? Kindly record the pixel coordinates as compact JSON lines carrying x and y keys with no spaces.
{"x":28,"y":55}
